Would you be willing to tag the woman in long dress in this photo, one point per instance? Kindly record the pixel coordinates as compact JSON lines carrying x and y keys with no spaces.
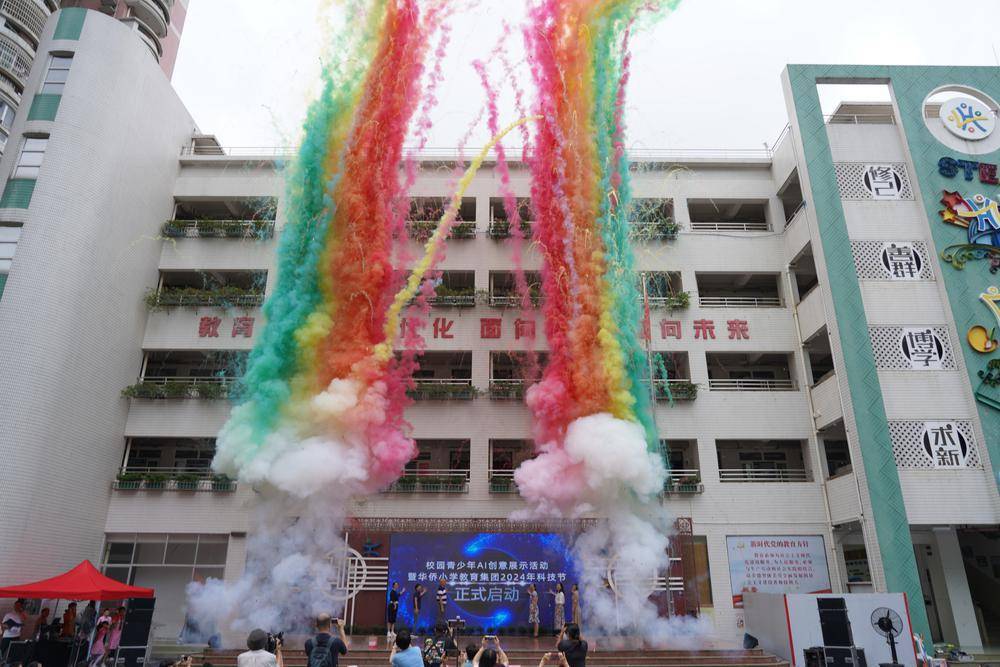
{"x":533,"y":608}
{"x":575,"y":594}
{"x":559,"y":609}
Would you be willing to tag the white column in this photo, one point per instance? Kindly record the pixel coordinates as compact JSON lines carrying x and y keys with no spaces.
{"x":953,"y":567}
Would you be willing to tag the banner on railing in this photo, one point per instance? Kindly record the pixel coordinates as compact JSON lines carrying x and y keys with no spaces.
{"x":777,"y":564}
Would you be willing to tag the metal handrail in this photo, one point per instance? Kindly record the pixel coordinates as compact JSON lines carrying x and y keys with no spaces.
{"x":751,"y":384}
{"x":860,"y":119}
{"x":443,"y":381}
{"x":739,"y":301}
{"x":254,"y":227}
{"x":729,"y":226}
{"x":239,"y":151}
{"x":431,"y":481}
{"x":189,"y":379}
{"x":511,"y":300}
{"x":206,"y":472}
{"x":179,"y":298}
{"x":793,"y":216}
{"x":763,"y":475}
{"x":674,"y":475}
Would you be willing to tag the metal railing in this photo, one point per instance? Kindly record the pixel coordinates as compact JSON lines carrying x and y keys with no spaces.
{"x":454,"y":300}
{"x":131,"y":478}
{"x":507,"y":300}
{"x":739,"y":301}
{"x":239,"y":151}
{"x":657,"y":229}
{"x":681,"y":389}
{"x":26,"y":13}
{"x":431,"y":481}
{"x":793,"y":216}
{"x":229,"y":229}
{"x":507,"y":389}
{"x":860,"y":119}
{"x":729,"y":226}
{"x":502,"y":481}
{"x":748,"y":384}
{"x":674,"y":301}
{"x":14,"y":59}
{"x":429,"y":389}
{"x":158,"y":387}
{"x":683,"y":481}
{"x":500,"y":229}
{"x":760,"y":475}
{"x":421,"y":230}
{"x":180,"y":298}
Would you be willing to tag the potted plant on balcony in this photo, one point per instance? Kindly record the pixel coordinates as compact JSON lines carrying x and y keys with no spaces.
{"x":222,"y":483}
{"x":678,"y":301}
{"x":129,"y":481}
{"x":501,"y":484}
{"x":406,"y":484}
{"x":211,"y":390}
{"x":173,"y":229}
{"x":463,"y":230}
{"x":186,"y":481}
{"x":211,"y":228}
{"x":154,"y":481}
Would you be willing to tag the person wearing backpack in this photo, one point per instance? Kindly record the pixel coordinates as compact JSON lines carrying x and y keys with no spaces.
{"x":324,"y":650}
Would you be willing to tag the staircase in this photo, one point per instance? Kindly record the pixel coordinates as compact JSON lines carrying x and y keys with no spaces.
{"x":530,"y":657}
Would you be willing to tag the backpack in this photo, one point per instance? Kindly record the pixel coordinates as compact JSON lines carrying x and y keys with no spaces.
{"x":321,"y":654}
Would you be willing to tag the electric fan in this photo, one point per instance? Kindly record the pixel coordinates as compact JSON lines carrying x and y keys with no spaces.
{"x":888,"y":624}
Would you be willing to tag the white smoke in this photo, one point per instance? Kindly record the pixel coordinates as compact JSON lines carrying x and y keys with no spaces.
{"x":604,"y":469}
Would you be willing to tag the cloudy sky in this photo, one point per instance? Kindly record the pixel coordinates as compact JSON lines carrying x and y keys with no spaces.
{"x":707,"y":76}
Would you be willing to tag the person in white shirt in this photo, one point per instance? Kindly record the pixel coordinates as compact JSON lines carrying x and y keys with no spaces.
{"x":257,"y":656}
{"x":13,"y":622}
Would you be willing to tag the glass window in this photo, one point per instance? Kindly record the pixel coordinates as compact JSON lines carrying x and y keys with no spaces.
{"x":180,"y":553}
{"x":56,"y":75}
{"x":212,"y":553}
{"x":149,"y":553}
{"x":30,"y":158}
{"x":6,"y":116}
{"x":120,"y":553}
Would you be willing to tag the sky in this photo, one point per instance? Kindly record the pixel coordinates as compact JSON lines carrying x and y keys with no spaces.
{"x":706,"y":76}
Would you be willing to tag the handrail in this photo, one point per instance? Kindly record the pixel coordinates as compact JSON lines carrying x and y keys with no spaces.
{"x":431,"y":481}
{"x":189,"y":379}
{"x":860,"y":119}
{"x":205,"y":472}
{"x":791,"y":217}
{"x":676,"y":474}
{"x":219,"y":228}
{"x":511,"y":300}
{"x":751,"y":384}
{"x":239,"y":151}
{"x":729,"y":226}
{"x":179,"y":298}
{"x":763,"y":475}
{"x":443,"y":381}
{"x":739,"y":301}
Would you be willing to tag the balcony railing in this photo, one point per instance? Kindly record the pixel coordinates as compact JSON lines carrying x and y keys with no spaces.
{"x":729,"y":226}
{"x":739,"y":301}
{"x":133,"y":478}
{"x":860,"y":119}
{"x":211,"y":388}
{"x":509,"y":300}
{"x":500,"y":229}
{"x":502,"y":481}
{"x":660,"y":230}
{"x":431,"y":481}
{"x":455,"y":299}
{"x":682,"y":481}
{"x":677,"y":301}
{"x":680,"y":389}
{"x":741,"y":475}
{"x":226,"y":297}
{"x":751,"y":385}
{"x":219,"y":229}
{"x":443,"y":390}
{"x":421,"y":230}
{"x":512,"y":390}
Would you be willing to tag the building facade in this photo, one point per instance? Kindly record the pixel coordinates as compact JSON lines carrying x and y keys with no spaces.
{"x":825,"y":395}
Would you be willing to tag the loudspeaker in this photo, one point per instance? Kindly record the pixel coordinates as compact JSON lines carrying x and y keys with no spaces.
{"x":131,"y":657}
{"x":20,"y":652}
{"x":138,"y":619}
{"x":845,"y":657}
{"x":834,"y":622}
{"x":815,"y":657}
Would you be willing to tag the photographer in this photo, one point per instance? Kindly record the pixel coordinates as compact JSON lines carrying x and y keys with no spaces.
{"x":324,"y":650}
{"x":258,"y":656}
{"x":553,"y":657}
{"x":404,"y":655}
{"x":489,"y":656}
{"x":572,"y":645}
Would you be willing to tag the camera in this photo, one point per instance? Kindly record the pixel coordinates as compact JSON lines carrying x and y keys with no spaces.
{"x":273,"y":640}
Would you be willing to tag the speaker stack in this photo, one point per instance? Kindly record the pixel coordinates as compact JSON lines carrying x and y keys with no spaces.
{"x":134,"y":646}
{"x":838,"y":648}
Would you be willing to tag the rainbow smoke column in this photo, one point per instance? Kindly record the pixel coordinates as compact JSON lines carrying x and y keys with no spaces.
{"x":594,"y":432}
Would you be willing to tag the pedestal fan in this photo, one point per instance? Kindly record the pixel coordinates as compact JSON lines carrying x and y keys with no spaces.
{"x":888,"y":624}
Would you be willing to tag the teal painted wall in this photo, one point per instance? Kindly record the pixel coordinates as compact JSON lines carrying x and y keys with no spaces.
{"x":17,"y":193}
{"x":70,"y":24}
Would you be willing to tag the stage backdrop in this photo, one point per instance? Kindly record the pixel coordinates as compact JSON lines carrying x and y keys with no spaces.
{"x":487,"y":574}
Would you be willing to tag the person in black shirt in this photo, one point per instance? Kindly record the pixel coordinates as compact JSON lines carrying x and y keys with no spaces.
{"x":572,"y":645}
{"x":392,"y":609}
{"x":418,"y":593}
{"x":333,"y":646}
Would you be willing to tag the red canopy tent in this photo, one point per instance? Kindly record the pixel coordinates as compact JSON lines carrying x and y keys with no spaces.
{"x":83,"y":582}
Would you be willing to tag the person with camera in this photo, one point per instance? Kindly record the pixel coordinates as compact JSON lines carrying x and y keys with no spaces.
{"x":572,"y":645}
{"x":490,"y":653}
{"x":258,"y":655}
{"x":324,"y":650}
{"x":403,"y":653}
{"x":553,"y":658}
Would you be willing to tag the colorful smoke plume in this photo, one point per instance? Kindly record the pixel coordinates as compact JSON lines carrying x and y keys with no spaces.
{"x":597,"y":443}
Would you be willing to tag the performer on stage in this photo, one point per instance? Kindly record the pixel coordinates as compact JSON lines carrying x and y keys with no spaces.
{"x":533,"y":608}
{"x":559,"y":609}
{"x":442,"y":599}
{"x":576,"y":604}
{"x":418,"y":593}
{"x":392,"y":609}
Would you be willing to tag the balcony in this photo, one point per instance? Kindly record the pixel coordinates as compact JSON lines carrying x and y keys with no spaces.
{"x":500,"y":222}
{"x":502,"y":482}
{"x":507,"y":390}
{"x":257,"y":230}
{"x":443,"y":390}
{"x":504,"y":292}
{"x":154,"y":14}
{"x":505,"y":457}
{"x":431,"y":481}
{"x":15,"y":62}
{"x":661,"y":230}
{"x":675,"y":389}
{"x":135,"y":478}
{"x":663,"y":290}
{"x":738,"y":290}
{"x":728,"y":215}
{"x":423,"y":230}
{"x":426,"y":212}
{"x":683,"y":482}
{"x":755,"y":371}
{"x":681,"y":460}
{"x":762,"y":461}
{"x":27,"y":16}
{"x":652,"y":219}
{"x":159,"y":387}
{"x":453,"y":289}
{"x":220,"y":289}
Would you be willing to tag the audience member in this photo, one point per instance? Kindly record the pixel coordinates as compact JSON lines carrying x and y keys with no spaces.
{"x":572,"y":645}
{"x":403,"y":654}
{"x":257,"y":656}
{"x":324,"y":650}
{"x":13,"y":622}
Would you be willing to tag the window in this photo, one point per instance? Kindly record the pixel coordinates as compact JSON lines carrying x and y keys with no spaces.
{"x":30,"y":158}
{"x":6,"y":120}
{"x":56,"y":75}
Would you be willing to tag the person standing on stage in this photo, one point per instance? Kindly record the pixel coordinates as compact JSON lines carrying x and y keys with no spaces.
{"x":576,"y":615}
{"x":40,"y":623}
{"x":391,"y":610}
{"x":533,"y":608}
{"x":559,"y":609}
{"x":418,"y":594}
{"x":442,"y":598}
{"x":13,"y":621}
{"x":69,"y":621}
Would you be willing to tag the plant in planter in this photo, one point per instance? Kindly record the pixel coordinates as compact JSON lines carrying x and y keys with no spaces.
{"x":678,"y":301}
{"x":211,"y":390}
{"x":129,"y":481}
{"x":154,"y":481}
{"x":406,"y":483}
{"x":173,"y":229}
{"x":222,"y":483}
{"x":186,"y":481}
